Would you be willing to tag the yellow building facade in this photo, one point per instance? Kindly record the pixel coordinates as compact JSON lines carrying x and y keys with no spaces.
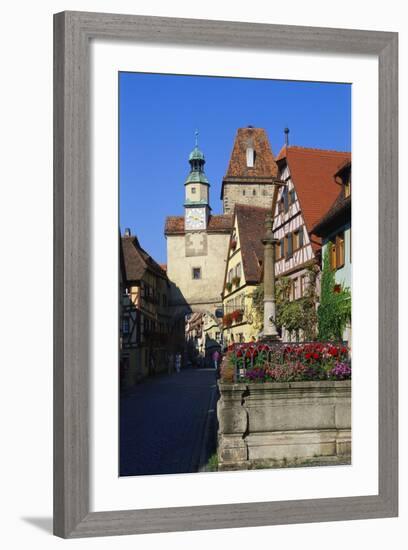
{"x":243,"y":275}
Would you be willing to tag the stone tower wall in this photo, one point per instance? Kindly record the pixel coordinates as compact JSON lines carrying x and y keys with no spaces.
{"x":234,"y":194}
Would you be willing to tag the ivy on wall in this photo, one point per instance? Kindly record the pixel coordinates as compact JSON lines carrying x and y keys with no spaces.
{"x":334,"y":312}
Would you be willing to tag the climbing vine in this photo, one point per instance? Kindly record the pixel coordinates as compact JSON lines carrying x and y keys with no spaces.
{"x":334,"y":312}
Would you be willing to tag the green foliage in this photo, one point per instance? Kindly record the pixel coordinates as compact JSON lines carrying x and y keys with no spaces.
{"x":334,"y":312}
{"x":295,"y":315}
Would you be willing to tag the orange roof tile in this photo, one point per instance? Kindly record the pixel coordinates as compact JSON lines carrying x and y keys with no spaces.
{"x":264,"y":165}
{"x":312,"y":173}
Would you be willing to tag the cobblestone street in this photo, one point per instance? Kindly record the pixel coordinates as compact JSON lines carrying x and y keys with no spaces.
{"x":167,"y":423}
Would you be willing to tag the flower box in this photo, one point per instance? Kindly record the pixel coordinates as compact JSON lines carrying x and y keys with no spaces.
{"x":236,"y":281}
{"x":237,"y":315}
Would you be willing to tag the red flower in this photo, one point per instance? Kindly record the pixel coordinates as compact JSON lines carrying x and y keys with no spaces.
{"x":315,"y":356}
{"x":337,"y":289}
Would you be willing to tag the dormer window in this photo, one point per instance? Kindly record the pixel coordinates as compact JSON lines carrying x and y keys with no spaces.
{"x":250,"y":157}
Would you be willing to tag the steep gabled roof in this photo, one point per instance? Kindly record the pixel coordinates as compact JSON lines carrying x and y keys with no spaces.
{"x":338,"y":216}
{"x":220,"y":223}
{"x":313,"y":175}
{"x":251,"y":229}
{"x":264,"y":168}
{"x":137,"y":261}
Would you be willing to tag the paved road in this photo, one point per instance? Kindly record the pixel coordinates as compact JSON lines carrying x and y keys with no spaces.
{"x":163,"y":423}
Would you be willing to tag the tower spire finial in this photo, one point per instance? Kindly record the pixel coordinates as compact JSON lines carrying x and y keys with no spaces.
{"x":196,"y":137}
{"x":286,"y":136}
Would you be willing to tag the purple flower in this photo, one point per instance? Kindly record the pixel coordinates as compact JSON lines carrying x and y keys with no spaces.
{"x":341,"y":371}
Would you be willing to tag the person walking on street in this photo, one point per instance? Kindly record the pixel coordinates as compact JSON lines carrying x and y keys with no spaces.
{"x":216,"y":358}
{"x":178,"y":362}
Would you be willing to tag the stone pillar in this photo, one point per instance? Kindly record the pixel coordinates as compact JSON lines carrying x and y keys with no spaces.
{"x":269,"y":242}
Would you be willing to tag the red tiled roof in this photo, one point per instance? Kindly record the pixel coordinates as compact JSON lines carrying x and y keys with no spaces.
{"x":264,"y":165}
{"x":220,"y":223}
{"x":338,"y":215}
{"x":312,"y":172}
{"x":137,"y":261}
{"x":251,"y":229}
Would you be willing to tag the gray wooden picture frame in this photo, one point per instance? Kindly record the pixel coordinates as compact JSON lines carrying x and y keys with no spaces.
{"x":72,"y":34}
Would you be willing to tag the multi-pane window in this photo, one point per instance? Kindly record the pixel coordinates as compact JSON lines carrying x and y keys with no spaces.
{"x":193,"y":189}
{"x":292,"y":196}
{"x":238,"y":270}
{"x":196,"y":272}
{"x":289,"y":245}
{"x":285,"y":200}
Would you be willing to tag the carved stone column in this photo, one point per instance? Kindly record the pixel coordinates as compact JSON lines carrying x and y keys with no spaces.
{"x":269,"y":242}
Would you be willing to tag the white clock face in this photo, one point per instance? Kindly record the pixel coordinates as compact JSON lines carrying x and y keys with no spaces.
{"x":195,"y":218}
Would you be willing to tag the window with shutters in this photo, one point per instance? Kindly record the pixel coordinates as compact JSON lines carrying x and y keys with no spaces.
{"x":340,"y":250}
{"x":336,"y":251}
{"x":282,"y":248}
{"x":277,"y":251}
{"x":292,"y":197}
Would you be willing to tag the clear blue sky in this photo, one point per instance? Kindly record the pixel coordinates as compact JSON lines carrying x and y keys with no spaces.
{"x":160,"y":113}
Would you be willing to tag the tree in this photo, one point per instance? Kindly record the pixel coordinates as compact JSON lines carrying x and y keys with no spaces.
{"x":334,"y":312}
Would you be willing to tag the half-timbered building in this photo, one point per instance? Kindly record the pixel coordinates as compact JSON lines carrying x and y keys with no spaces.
{"x":145,"y":321}
{"x":309,"y":193}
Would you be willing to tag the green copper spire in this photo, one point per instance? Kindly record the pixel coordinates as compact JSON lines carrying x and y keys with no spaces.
{"x":197,"y":161}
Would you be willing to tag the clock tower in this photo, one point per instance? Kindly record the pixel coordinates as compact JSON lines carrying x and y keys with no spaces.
{"x":196,"y":205}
